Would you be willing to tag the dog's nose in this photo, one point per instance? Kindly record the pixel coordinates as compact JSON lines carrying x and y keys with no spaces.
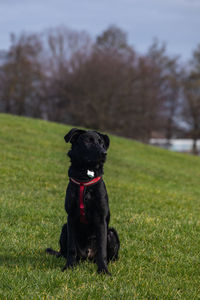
{"x":103,"y":152}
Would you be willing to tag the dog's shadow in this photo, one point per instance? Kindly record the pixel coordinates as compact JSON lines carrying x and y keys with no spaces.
{"x":37,"y":260}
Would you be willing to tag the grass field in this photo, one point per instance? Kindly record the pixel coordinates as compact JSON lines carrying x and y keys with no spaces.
{"x":155,"y":206}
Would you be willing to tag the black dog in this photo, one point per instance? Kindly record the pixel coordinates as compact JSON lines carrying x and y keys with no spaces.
{"x":86,"y":234}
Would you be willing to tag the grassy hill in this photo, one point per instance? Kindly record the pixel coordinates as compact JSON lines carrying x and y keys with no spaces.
{"x":155,"y":206}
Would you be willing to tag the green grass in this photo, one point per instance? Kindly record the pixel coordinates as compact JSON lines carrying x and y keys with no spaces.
{"x":155,"y":206}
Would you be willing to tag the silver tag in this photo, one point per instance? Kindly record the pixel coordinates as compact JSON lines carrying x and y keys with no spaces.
{"x":90,"y":173}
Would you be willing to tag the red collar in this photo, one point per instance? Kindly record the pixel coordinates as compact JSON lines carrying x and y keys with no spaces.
{"x":85,"y":183}
{"x":81,"y":195}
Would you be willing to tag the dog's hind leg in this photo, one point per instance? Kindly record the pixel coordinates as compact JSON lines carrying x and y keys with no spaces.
{"x":113,"y":244}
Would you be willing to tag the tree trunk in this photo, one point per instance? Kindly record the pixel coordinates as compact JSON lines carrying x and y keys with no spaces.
{"x":194,"y":147}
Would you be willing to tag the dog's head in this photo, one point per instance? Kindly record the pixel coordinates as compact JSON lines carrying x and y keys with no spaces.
{"x":88,"y":147}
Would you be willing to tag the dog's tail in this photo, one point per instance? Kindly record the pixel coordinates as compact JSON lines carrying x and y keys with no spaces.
{"x":53,"y":252}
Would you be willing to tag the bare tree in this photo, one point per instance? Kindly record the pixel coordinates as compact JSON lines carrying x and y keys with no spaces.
{"x":20,"y":76}
{"x":166,"y":77}
{"x":191,"y":104}
{"x":99,"y":86}
{"x":64,"y":52}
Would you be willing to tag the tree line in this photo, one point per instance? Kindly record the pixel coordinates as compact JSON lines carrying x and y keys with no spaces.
{"x":66,"y":76}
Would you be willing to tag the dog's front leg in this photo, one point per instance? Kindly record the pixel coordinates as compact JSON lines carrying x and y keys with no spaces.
{"x":71,"y":244}
{"x":101,"y":233}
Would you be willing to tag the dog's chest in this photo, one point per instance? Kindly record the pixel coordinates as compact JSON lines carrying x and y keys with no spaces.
{"x":88,"y":198}
{"x":80,"y":201}
{"x":86,"y":203}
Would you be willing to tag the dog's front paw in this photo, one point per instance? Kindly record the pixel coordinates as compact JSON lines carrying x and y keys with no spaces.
{"x":104,"y":270}
{"x":70,"y":265}
{"x":65,"y":268}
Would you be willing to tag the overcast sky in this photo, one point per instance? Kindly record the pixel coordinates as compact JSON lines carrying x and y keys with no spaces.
{"x":176,"y":22}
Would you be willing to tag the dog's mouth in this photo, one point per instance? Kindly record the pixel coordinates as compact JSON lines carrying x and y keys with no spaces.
{"x":96,"y":158}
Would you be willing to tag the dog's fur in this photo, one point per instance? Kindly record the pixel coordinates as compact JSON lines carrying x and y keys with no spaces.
{"x":92,"y":240}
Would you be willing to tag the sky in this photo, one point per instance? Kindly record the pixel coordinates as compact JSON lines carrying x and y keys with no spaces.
{"x":175,"y":22}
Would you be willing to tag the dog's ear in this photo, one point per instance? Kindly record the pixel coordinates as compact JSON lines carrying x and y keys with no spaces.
{"x":105,"y":139}
{"x":72,"y":135}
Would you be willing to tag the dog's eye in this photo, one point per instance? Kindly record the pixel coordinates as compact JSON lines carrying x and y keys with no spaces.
{"x":90,"y":140}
